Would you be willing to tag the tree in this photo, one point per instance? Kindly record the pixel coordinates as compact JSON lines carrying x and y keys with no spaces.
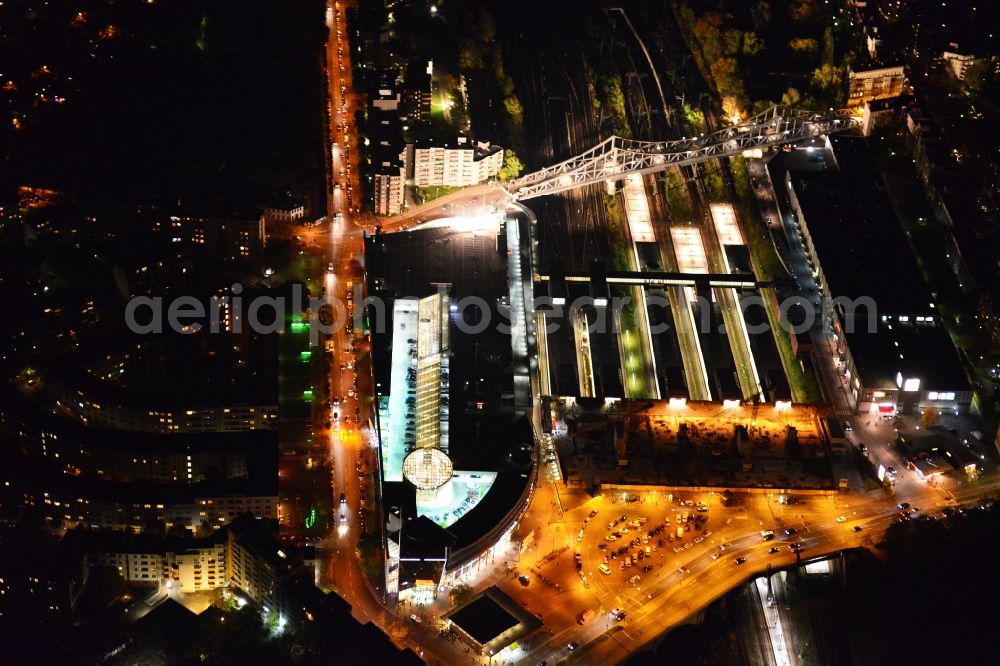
{"x":708,"y":32}
{"x":727,"y":78}
{"x":460,"y":594}
{"x":695,"y":117}
{"x":802,"y":11}
{"x":977,"y":77}
{"x":828,"y":78}
{"x":804,"y":45}
{"x":752,"y":44}
{"x":487,"y":29}
{"x":829,"y":47}
{"x":792,"y":97}
{"x":469,"y":57}
{"x":732,"y":39}
{"x":512,"y":105}
{"x":732,"y":108}
{"x":930,"y":417}
{"x":760,"y":15}
{"x":512,"y":166}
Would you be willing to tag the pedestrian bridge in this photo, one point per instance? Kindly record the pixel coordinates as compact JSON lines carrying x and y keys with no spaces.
{"x":616,"y":157}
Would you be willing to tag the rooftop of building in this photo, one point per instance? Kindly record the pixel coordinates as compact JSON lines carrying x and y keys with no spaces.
{"x":494,"y":620}
{"x":494,"y":445}
{"x":285,"y":200}
{"x":461,"y":142}
{"x":154,"y":372}
{"x":45,"y":476}
{"x":861,"y":246}
{"x":18,"y":408}
{"x":916,"y":349}
{"x":79,"y":542}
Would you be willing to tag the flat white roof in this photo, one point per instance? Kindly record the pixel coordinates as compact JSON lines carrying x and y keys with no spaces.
{"x":690,"y":250}
{"x":726,"y":226}
{"x":637,"y":210}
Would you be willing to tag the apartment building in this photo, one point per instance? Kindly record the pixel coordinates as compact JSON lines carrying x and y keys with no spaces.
{"x":453,"y":164}
{"x":879,"y":83}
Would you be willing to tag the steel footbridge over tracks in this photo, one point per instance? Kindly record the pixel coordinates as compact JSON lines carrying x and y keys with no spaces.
{"x":615,"y":158}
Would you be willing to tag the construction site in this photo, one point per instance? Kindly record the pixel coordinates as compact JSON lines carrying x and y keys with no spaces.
{"x":689,"y":443}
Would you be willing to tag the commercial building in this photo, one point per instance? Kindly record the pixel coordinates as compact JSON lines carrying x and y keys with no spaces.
{"x":454,"y":164}
{"x":893,"y":350}
{"x":457,"y":457}
{"x":492,"y":623}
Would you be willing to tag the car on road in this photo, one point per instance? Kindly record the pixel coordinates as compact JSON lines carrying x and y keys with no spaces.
{"x":856,"y":528}
{"x":790,"y":531}
{"x":716,"y":555}
{"x":416,"y":618}
{"x":904,"y":505}
{"x":634,"y":579}
{"x":523,"y":580}
{"x":766,"y":535}
{"x":618,"y":613}
{"x":605,"y":569}
{"x":773,"y":549}
{"x":702,"y":509}
{"x":585,"y":617}
{"x":343,"y":498}
{"x":592,"y":514}
{"x":841,"y":519}
{"x":343,"y":516}
{"x":847,"y":426}
{"x":572,"y":646}
{"x":611,"y":537}
{"x":647,"y":568}
{"x":795,"y":546}
{"x":740,"y":560}
{"x":683,"y":569}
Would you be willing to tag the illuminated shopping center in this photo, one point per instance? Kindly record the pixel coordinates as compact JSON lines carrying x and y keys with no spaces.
{"x":456,"y":458}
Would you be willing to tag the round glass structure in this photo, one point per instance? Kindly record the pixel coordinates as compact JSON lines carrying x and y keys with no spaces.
{"x":428,"y":469}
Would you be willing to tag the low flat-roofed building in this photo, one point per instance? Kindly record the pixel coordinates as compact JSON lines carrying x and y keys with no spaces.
{"x":894,"y":352}
{"x":491,"y":622}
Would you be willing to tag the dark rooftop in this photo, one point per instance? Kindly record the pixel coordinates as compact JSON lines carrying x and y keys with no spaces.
{"x":861,"y":246}
{"x":916,"y":349}
{"x":483,"y":619}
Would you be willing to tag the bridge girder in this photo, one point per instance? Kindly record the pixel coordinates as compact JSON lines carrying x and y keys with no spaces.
{"x":615,"y":158}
